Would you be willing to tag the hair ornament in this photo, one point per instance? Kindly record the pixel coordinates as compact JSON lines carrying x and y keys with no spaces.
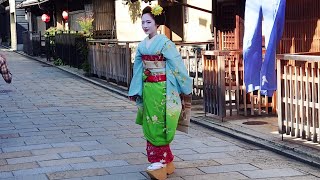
{"x":157,"y":10}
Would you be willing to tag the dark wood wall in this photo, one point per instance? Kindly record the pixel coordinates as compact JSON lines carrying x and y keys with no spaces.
{"x":4,"y":23}
{"x":174,"y":19}
{"x":302,"y":27}
{"x":104,"y":14}
{"x":229,"y":23}
{"x":301,"y":31}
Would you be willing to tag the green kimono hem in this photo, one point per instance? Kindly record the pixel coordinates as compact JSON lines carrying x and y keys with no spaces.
{"x":153,"y":116}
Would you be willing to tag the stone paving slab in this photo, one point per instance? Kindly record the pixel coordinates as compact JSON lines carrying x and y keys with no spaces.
{"x":207,"y":156}
{"x":218,"y":176}
{"x":13,"y":167}
{"x":58,"y":126}
{"x":5,"y":175}
{"x":77,"y":174}
{"x":33,"y":158}
{"x":100,"y":164}
{"x":294,"y":178}
{"x":65,"y":161}
{"x":269,"y":173}
{"x":127,"y":169}
{"x":29,"y":177}
{"x":123,"y":156}
{"x":25,"y":147}
{"x":131,"y":176}
{"x":228,"y":168}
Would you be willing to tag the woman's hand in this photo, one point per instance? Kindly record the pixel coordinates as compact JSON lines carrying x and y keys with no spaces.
{"x":133,"y":98}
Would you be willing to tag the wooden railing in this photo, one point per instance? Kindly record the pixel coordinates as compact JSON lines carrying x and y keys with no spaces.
{"x":111,"y":60}
{"x":224,"y":88}
{"x":191,"y":56}
{"x":299,"y":95}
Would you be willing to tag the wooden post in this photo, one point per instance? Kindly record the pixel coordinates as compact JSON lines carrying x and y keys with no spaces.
{"x":188,"y":61}
{"x":167,"y":31}
{"x":237,"y":83}
{"x":308,"y":101}
{"x":291,"y":107}
{"x":314,"y":132}
{"x":279,"y":80}
{"x":205,"y":94}
{"x":197,"y":75}
{"x":297,"y":117}
{"x":303,"y":115}
{"x":319,"y":100}
{"x":230,"y":85}
{"x":286,"y":94}
{"x":221,"y":86}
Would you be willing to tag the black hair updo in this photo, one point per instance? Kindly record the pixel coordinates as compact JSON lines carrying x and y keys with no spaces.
{"x":159,"y":19}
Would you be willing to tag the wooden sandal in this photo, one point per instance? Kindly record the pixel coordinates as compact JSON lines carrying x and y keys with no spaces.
{"x":170,"y":168}
{"x":157,"y":171}
{"x":160,"y":174}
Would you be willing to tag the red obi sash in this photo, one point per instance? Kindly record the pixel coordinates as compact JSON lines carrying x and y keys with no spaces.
{"x":153,"y":58}
{"x":156,"y":78}
{"x":150,"y":77}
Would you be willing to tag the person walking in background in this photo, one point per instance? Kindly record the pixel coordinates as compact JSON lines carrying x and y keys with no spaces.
{"x":7,"y":76}
{"x":159,"y":78}
{"x":258,"y":74}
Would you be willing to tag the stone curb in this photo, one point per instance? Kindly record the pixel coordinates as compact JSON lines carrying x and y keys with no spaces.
{"x":260,"y":142}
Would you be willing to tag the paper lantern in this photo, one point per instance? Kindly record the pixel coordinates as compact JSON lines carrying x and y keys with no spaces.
{"x":65,"y":15}
{"x":45,"y":18}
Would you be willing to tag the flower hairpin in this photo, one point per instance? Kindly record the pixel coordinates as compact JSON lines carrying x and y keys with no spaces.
{"x":156,"y":10}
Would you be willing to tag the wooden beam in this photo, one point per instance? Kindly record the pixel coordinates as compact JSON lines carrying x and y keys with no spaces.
{"x":188,"y":5}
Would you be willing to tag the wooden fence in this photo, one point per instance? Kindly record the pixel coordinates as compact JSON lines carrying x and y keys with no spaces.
{"x":111,"y":60}
{"x":224,"y":89}
{"x":191,"y":56}
{"x":299,"y":95}
{"x":217,"y":75}
{"x":71,"y":48}
{"x":32,"y":43}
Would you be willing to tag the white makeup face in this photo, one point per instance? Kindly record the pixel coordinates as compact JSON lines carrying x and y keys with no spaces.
{"x":148,"y":24}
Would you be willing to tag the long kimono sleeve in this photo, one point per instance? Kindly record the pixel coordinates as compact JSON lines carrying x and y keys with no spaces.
{"x":178,"y":74}
{"x":136,"y":82}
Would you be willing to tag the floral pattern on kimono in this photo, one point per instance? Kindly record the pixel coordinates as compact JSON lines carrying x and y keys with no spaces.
{"x":177,"y":82}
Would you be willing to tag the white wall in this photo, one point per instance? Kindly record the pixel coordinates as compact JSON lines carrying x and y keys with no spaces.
{"x":73,"y":18}
{"x":126,"y":30}
{"x":41,"y":25}
{"x":198,"y":27}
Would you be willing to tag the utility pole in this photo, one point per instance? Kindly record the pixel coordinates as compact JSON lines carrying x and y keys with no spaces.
{"x":13,"y":25}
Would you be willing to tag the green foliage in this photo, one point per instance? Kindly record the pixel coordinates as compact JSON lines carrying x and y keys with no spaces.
{"x":83,"y":50}
{"x":58,"y":62}
{"x":86,"y":25}
{"x":134,"y":10}
{"x":86,"y":66}
{"x":52,"y":31}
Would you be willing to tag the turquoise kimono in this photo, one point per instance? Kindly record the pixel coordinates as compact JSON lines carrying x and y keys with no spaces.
{"x":159,"y":103}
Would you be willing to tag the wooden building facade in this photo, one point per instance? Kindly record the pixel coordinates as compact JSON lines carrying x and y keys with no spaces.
{"x":104,"y":19}
{"x":301,"y":32}
{"x":302,"y":27}
{"x":297,"y":99}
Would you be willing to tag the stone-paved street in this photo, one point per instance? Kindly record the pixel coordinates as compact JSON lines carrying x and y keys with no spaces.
{"x":56,"y":126}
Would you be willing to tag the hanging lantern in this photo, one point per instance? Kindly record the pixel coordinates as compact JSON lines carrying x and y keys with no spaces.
{"x":65,"y":15}
{"x":45,"y":18}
